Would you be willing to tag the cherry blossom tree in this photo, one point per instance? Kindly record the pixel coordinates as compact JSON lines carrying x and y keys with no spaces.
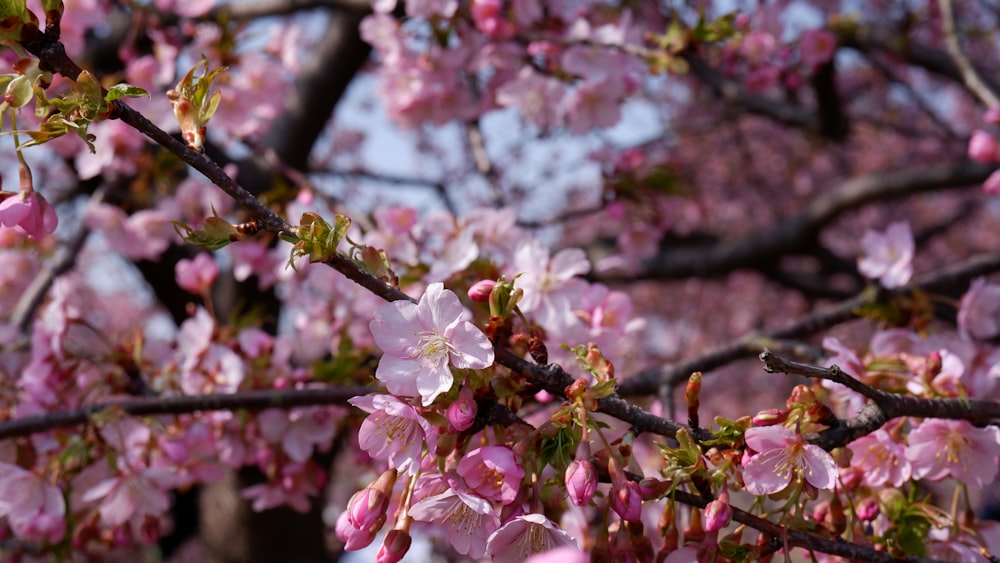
{"x":508,"y":280}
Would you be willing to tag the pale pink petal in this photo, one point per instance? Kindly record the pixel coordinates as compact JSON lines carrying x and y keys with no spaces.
{"x":392,"y":327}
{"x":819,"y":468}
{"x":767,"y":472}
{"x":473,"y":350}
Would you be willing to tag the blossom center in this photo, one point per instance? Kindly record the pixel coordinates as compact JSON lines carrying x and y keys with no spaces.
{"x":433,"y":348}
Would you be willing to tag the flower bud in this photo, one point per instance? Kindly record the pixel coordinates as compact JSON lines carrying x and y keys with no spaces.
{"x":394,"y":547}
{"x":770,"y":417}
{"x":867,"y":509}
{"x":462,"y":413}
{"x":718,"y":513}
{"x":982,"y":147}
{"x":627,"y":501}
{"x":481,"y":290}
{"x":581,"y":481}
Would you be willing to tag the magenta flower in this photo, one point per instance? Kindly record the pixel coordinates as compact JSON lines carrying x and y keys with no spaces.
{"x":394,"y":431}
{"x":420,"y":341}
{"x":462,"y":413}
{"x":782,"y":456}
{"x":467,"y":518}
{"x":888,"y":256}
{"x":881,"y":460}
{"x":29,"y":214}
{"x":954,"y":448}
{"x":581,"y":481}
{"x":493,"y":472}
{"x":524,"y":536}
{"x":817,"y":46}
{"x":983,"y":147}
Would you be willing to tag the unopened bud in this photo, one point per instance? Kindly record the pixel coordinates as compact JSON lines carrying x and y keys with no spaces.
{"x":394,"y":547}
{"x":770,"y":417}
{"x":481,"y":290}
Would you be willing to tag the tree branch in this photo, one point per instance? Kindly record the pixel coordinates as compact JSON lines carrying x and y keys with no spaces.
{"x":794,"y":235}
{"x":945,"y":280}
{"x":247,"y":400}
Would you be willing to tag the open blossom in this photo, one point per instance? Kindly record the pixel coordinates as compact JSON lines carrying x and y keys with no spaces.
{"x":979,"y":314}
{"x":34,"y":509}
{"x":782,"y":456}
{"x":548,"y":282}
{"x":467,"y":518}
{"x":299,"y":430}
{"x":817,"y":46}
{"x":197,"y":275}
{"x":888,"y":256}
{"x":954,"y":448}
{"x":394,"y":431}
{"x":524,"y":536}
{"x":493,"y":472}
{"x":420,"y":341}
{"x":881,"y":460}
{"x":132,"y":495}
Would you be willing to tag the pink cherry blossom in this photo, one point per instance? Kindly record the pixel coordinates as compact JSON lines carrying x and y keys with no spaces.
{"x":34,"y":508}
{"x":294,"y":486}
{"x":979,"y":313}
{"x":816,"y":47}
{"x":781,"y":457}
{"x":131,"y":495}
{"x":493,"y":472}
{"x":564,"y":554}
{"x":888,"y":256}
{"x":524,"y":536}
{"x":538,"y":97}
{"x":548,"y":282}
{"x":881,"y":459}
{"x":983,"y":147}
{"x":29,"y":214}
{"x":420,"y":341}
{"x":992,"y":184}
{"x":300,"y":430}
{"x":198,"y":275}
{"x":954,"y":448}
{"x":757,"y":46}
{"x":467,"y":519}
{"x":394,"y":431}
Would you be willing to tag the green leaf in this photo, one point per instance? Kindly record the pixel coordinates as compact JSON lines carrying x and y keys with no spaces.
{"x":124,"y":90}
{"x":14,"y":8}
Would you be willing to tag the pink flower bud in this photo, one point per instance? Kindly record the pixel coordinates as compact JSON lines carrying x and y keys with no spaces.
{"x":366,"y":507}
{"x":627,"y":501}
{"x":581,"y":481}
{"x":992,"y":115}
{"x":718,"y":513}
{"x":982,"y":147}
{"x":992,"y":184}
{"x":868,"y":509}
{"x":481,"y":290}
{"x":394,"y":547}
{"x":354,"y":538}
{"x":770,"y":417}
{"x":462,"y":413}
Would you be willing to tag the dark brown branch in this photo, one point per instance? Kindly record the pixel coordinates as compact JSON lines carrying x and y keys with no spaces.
{"x":247,"y":400}
{"x":795,"y":234}
{"x":805,"y":540}
{"x":732,"y":92}
{"x":883,"y":406}
{"x":946,"y":280}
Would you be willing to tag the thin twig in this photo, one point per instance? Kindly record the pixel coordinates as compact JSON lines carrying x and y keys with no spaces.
{"x":968,"y":73}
